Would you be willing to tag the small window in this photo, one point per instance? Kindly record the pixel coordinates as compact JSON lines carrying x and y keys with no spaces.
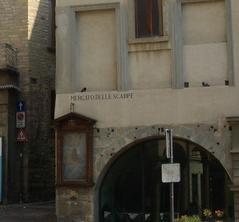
{"x":148,"y":18}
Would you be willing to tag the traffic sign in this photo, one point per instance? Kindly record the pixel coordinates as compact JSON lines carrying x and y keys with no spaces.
{"x":21,"y":106}
{"x":21,"y":135}
{"x":169,"y":143}
{"x":171,"y":173}
{"x":20,"y":120}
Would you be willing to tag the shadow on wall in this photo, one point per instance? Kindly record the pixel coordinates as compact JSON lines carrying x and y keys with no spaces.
{"x":41,"y":159}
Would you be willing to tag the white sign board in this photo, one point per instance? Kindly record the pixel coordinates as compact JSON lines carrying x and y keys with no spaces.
{"x":169,"y":142}
{"x":171,"y":173}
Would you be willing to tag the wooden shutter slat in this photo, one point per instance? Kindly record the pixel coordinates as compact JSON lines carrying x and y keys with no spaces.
{"x":147,"y":18}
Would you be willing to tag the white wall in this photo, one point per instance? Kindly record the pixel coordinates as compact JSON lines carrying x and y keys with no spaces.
{"x":204,"y":39}
{"x":205,"y":63}
{"x":204,"y":22}
{"x":149,"y":70}
{"x":96,"y":66}
{"x":149,"y":107}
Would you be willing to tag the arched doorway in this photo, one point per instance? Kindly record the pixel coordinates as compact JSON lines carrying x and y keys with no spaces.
{"x":132,"y":190}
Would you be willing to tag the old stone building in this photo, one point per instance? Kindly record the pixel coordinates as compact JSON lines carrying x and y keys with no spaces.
{"x":126,"y":71}
{"x":27,"y":72}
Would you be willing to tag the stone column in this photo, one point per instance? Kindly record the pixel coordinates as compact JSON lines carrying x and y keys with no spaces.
{"x":234,"y":124}
{"x":175,"y":18}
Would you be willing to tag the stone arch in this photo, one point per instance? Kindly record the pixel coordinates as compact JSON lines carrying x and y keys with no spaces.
{"x":206,"y":141}
{"x":208,"y":137}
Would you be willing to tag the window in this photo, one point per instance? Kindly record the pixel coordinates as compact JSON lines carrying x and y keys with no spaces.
{"x":148,"y":18}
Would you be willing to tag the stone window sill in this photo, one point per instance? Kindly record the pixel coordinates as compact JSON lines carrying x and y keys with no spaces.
{"x":198,"y":1}
{"x":148,"y":40}
{"x":149,"y":44}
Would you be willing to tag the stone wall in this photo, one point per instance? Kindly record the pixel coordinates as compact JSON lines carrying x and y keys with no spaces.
{"x":13,"y":23}
{"x":109,"y":141}
{"x":4,"y":125}
{"x":41,"y":81}
{"x":236,"y":205}
{"x":79,"y":204}
{"x":24,"y":25}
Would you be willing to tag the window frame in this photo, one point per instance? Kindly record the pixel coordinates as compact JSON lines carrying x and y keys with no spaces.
{"x":150,"y":20}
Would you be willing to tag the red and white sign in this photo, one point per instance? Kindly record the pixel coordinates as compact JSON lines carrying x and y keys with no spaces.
{"x":20,"y":120}
{"x":21,"y":135}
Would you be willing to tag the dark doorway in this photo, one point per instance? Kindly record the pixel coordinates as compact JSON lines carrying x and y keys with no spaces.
{"x":132,"y":189}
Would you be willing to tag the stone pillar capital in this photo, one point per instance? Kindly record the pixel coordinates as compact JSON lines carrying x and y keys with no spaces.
{"x":233,"y":120}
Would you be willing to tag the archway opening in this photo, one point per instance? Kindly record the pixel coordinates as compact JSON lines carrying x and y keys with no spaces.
{"x":132,"y":189}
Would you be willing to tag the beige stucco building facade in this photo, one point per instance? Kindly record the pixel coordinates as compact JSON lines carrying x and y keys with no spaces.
{"x":185,"y":79}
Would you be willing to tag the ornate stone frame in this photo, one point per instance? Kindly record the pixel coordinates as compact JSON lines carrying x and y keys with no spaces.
{"x":131,"y":25}
{"x":74,"y":122}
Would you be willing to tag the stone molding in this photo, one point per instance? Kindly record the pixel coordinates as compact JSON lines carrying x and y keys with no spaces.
{"x":233,"y":120}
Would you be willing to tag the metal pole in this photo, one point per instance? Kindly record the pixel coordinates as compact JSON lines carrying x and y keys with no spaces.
{"x":171,"y":184}
{"x":21,"y":174}
{"x":1,"y":171}
{"x":143,"y":185}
